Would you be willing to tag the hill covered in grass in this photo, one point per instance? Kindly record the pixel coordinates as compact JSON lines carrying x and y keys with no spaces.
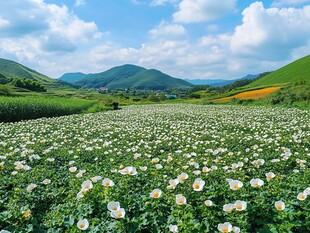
{"x":151,"y":79}
{"x":12,"y":70}
{"x":72,"y":77}
{"x":133,"y":77}
{"x":291,"y":73}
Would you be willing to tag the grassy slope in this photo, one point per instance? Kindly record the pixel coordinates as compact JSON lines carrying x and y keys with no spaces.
{"x":72,"y":77}
{"x":151,"y":79}
{"x":15,"y":70}
{"x":106,"y":77}
{"x":295,"y":71}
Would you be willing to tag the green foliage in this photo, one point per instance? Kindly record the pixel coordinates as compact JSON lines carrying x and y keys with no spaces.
{"x":293,"y":72}
{"x":12,"y":69}
{"x":298,"y":92}
{"x":153,"y":98}
{"x":5,"y":90}
{"x":221,"y":142}
{"x":194,"y":95}
{"x":3,"y":79}
{"x":151,"y":80}
{"x":114,"y":74}
{"x":72,"y":77}
{"x":23,"y":108}
{"x":29,"y":84}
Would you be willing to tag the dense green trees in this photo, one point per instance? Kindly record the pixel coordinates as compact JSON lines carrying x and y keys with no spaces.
{"x":29,"y":84}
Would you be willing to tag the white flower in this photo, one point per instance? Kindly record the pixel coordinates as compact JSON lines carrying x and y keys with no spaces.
{"x":156,"y":193}
{"x":173,"y":184}
{"x":158,"y":166}
{"x":279,"y":205}
{"x":182,"y":177}
{"x":236,"y":229}
{"x":129,"y":171}
{"x":198,"y":184}
{"x":302,"y":196}
{"x":31,"y":187}
{"x":79,"y":195}
{"x":46,"y":181}
{"x":83,"y":224}
{"x":72,"y":169}
{"x":86,"y":186}
{"x":118,"y":213}
{"x":180,"y":199}
{"x":208,"y":203}
{"x":143,"y":168}
{"x":4,"y":231}
{"x":256,"y":183}
{"x":107,"y":182}
{"x":270,"y":175}
{"x":96,"y":179}
{"x":224,"y":227}
{"x":173,"y":228}
{"x":240,"y":205}
{"x":113,"y":206}
{"x":80,"y":173}
{"x":235,"y":184}
{"x":228,"y":208}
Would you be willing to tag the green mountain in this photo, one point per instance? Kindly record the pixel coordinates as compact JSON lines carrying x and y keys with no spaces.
{"x":72,"y":77}
{"x":150,"y":79}
{"x":133,"y":77}
{"x":295,"y":71}
{"x":12,"y":69}
{"x":114,"y":74}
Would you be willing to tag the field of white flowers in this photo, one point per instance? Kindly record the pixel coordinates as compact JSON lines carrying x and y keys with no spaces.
{"x":158,"y":168}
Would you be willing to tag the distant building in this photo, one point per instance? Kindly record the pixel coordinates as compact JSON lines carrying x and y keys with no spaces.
{"x":171,"y":96}
{"x":103,"y":89}
{"x":182,"y":96}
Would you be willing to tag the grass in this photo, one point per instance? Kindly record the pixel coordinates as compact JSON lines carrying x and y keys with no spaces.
{"x":31,"y":107}
{"x":293,"y":72}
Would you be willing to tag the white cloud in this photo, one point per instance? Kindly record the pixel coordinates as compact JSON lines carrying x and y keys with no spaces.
{"x":280,"y":3}
{"x":167,"y":30}
{"x":271,"y":33}
{"x":194,"y":11}
{"x":79,"y":3}
{"x":4,"y":23}
{"x":163,"y":2}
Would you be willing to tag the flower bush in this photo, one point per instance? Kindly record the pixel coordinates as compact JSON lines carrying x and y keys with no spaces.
{"x":158,"y":168}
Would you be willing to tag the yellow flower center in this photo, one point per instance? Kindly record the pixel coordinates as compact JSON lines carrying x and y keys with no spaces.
{"x":114,"y":208}
{"x":156,"y":195}
{"x":181,"y":201}
{"x":235,"y":186}
{"x":182,"y":178}
{"x":107,"y":183}
{"x":239,"y":207}
{"x":82,"y":225}
{"x":279,"y":207}
{"x":197,"y":186}
{"x":225,"y":229}
{"x":119,"y":215}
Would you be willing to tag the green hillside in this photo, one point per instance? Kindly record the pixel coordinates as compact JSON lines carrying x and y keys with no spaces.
{"x":291,"y":73}
{"x":151,"y":79}
{"x":11,"y":70}
{"x":72,"y":77}
{"x":112,"y":75}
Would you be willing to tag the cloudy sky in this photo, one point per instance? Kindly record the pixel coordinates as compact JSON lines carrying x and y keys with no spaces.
{"x":194,"y":39}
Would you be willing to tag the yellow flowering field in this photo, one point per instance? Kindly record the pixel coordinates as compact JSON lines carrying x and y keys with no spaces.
{"x":158,"y":168}
{"x":254,"y":95}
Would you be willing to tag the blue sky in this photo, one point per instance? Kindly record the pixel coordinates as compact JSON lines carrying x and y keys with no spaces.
{"x":194,"y":39}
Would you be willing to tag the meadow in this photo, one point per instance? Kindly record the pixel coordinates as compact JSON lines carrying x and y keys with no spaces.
{"x":158,"y":168}
{"x":31,"y":107}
